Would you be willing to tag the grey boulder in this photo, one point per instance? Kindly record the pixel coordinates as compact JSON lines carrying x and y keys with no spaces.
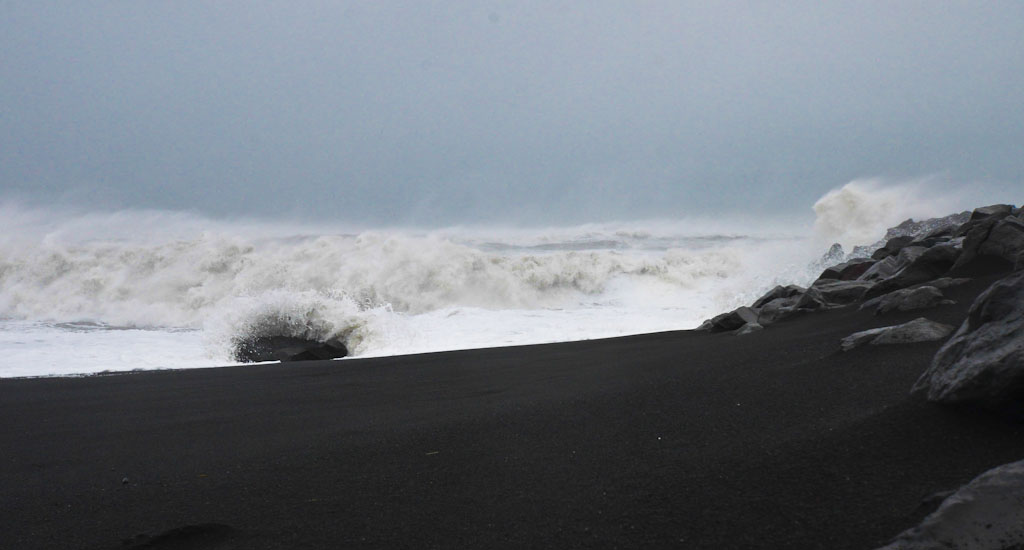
{"x":748,"y":328}
{"x":848,"y":270}
{"x":918,"y":330}
{"x":777,"y":293}
{"x":928,"y":264}
{"x":837,"y":293}
{"x":892,"y":247}
{"x":287,"y":348}
{"x":984,"y":361}
{"x":998,"y":237}
{"x":882,"y":269}
{"x":907,"y":299}
{"x":991,"y":211}
{"x":985,"y":514}
{"x":732,"y":320}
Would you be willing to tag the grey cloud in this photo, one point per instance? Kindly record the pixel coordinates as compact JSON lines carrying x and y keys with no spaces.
{"x":510,"y":111}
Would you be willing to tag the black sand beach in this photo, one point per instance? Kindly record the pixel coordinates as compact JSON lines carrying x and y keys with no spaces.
{"x":687,"y":439}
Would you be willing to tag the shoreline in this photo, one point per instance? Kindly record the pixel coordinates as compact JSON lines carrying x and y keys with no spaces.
{"x":683,"y":439}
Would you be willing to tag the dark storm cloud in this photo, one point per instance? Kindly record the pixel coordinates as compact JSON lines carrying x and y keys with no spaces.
{"x":449,"y":112}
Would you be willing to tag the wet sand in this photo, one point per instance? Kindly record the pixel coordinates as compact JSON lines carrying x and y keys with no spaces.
{"x":682,"y":439}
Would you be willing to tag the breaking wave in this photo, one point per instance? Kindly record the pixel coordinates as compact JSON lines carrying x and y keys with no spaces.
{"x":859,"y":212}
{"x":401,"y":291}
{"x":253,"y":279}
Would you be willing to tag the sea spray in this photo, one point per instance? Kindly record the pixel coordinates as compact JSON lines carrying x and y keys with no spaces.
{"x":135,"y":277}
{"x":859,"y":212}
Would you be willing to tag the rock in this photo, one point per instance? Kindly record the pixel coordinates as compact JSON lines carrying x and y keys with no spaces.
{"x":984,"y":514}
{"x":810,"y":300}
{"x":858,"y":339}
{"x":995,"y":210}
{"x":1001,"y":238}
{"x":929,"y":240}
{"x":776,"y":293}
{"x":892,"y":247}
{"x":834,"y":255}
{"x":929,"y":264}
{"x":947,"y":282}
{"x":837,"y":293}
{"x":733,"y":319}
{"x":778,"y":309}
{"x":984,"y":361}
{"x":287,"y":348}
{"x":748,"y":328}
{"x":908,"y":299}
{"x":848,"y":270}
{"x":881,"y":270}
{"x":925,"y":227}
{"x":918,"y":330}
{"x":909,"y":254}
{"x":1006,"y":240}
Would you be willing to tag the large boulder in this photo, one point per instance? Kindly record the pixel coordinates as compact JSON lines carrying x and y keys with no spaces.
{"x":892,"y":247}
{"x":732,"y":320}
{"x":918,"y":330}
{"x":848,"y":270}
{"x":810,"y":300}
{"x":838,"y":293}
{"x":991,"y":211}
{"x":930,"y":263}
{"x":1006,"y":240}
{"x":777,"y":293}
{"x":984,"y":361}
{"x":985,"y":514}
{"x":993,"y":236}
{"x":287,"y":348}
{"x":907,"y":299}
{"x":882,"y":269}
{"x":925,"y":227}
{"x":779,"y":309}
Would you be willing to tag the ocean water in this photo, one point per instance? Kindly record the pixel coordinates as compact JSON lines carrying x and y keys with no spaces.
{"x":88,"y":292}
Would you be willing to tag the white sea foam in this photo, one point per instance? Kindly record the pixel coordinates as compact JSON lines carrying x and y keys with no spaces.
{"x":167,"y":290}
{"x":860,"y":211}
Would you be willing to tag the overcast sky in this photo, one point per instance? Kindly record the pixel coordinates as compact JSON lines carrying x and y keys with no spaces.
{"x":471,"y":111}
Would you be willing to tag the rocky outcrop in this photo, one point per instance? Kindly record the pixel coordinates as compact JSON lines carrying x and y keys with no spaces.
{"x":1000,"y":237}
{"x":837,"y":293}
{"x":923,"y":228}
{"x":930,"y":253}
{"x":732,"y":320}
{"x":921,"y":265}
{"x":892,"y":247}
{"x":883,"y":269}
{"x":778,"y":293}
{"x":287,"y":348}
{"x":848,"y":270}
{"x":984,"y":361}
{"x":918,"y":330}
{"x":993,"y":211}
{"x":908,"y":299}
{"x":985,"y":514}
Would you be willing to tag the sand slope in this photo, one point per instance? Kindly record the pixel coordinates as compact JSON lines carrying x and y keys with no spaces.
{"x":684,"y":439}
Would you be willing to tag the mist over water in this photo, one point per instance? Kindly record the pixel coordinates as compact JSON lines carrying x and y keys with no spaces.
{"x":90,"y":291}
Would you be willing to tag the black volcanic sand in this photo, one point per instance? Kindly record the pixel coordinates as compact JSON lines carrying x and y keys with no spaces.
{"x":681,"y":439}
